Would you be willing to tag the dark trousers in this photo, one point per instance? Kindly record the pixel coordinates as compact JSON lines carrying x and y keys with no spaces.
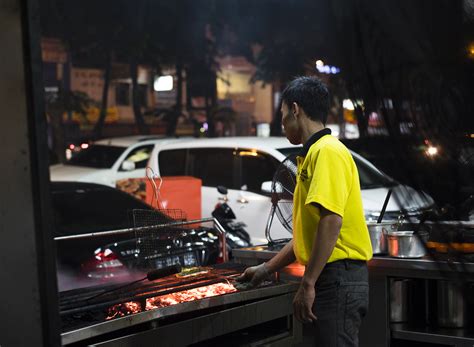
{"x":342,"y":298}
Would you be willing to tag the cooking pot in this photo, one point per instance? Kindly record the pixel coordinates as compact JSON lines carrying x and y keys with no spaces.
{"x":378,"y":236}
{"x":406,"y":244}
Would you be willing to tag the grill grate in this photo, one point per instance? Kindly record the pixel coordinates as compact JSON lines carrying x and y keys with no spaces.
{"x":76,"y":300}
{"x":77,"y":312}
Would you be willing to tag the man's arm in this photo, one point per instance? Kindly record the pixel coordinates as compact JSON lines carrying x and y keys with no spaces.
{"x":323,"y":246}
{"x":285,"y":257}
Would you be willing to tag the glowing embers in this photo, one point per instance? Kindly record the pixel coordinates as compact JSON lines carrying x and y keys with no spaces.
{"x":132,"y":307}
{"x":121,"y":310}
{"x":189,"y":295}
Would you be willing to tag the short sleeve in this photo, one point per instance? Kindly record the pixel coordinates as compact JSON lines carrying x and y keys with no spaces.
{"x":331,"y":181}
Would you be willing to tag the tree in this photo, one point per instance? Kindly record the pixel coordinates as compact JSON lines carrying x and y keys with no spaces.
{"x":194,"y":53}
{"x":407,"y":53}
{"x":59,"y":104}
{"x":91,"y":31}
{"x":286,"y":35}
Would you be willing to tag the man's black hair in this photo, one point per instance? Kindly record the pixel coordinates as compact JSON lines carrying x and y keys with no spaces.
{"x":310,"y":94}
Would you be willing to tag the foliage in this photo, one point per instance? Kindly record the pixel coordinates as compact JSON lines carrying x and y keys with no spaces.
{"x":58,"y":104}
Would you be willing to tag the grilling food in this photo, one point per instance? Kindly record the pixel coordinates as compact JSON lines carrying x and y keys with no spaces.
{"x":132,"y":307}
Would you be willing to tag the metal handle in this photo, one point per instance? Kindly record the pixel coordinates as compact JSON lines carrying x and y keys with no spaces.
{"x":269,"y":225}
{"x":131,"y":230}
{"x":218,"y":226}
{"x":222,"y":231}
{"x":242,"y":201}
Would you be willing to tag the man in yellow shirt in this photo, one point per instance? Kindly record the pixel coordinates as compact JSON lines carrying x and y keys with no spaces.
{"x":330,"y":236}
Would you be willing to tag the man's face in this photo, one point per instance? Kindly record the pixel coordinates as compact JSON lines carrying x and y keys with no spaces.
{"x":290,"y":124}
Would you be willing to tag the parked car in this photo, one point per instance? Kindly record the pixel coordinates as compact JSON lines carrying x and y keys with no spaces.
{"x":109,"y":160}
{"x":244,"y":164}
{"x":81,"y":208}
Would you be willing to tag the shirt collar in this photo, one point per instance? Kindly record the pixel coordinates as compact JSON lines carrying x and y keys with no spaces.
{"x":313,"y":139}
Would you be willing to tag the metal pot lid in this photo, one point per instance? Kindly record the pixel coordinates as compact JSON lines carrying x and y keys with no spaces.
{"x":393,"y":222}
{"x":401,"y":233}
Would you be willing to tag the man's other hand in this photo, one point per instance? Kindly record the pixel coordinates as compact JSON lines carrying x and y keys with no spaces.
{"x":303,"y":303}
{"x":255,"y":275}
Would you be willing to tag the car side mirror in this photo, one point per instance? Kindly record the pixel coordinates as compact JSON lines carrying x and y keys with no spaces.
{"x":222,"y":190}
{"x":266,"y":187}
{"x":128,"y":165}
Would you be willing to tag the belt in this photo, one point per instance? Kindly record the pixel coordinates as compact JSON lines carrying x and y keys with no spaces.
{"x":347,"y":263}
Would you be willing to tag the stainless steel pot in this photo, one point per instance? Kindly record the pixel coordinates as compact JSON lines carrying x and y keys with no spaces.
{"x":406,"y":244}
{"x":378,"y":236}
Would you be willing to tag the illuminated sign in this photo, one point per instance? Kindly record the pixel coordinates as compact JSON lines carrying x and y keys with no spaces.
{"x":327,"y":69}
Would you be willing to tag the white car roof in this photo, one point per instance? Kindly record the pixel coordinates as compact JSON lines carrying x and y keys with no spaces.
{"x":250,"y":142}
{"x":226,"y":142}
{"x":127,"y":141}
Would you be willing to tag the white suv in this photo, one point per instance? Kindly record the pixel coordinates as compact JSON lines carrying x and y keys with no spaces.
{"x":243,"y":164}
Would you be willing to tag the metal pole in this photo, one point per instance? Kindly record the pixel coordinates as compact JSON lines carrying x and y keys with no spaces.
{"x":132,"y":230}
{"x":219,"y":228}
{"x":225,"y":256}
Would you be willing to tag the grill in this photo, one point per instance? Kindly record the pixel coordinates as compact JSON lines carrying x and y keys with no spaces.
{"x":177,"y":311}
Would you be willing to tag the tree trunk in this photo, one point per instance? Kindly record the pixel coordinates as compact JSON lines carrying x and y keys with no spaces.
{"x":173,"y":121}
{"x":59,"y":143}
{"x":105,"y":91}
{"x":211,"y":131}
{"x":137,"y":112}
{"x":362,"y":123}
{"x":340,"y":119}
{"x":276,"y":124}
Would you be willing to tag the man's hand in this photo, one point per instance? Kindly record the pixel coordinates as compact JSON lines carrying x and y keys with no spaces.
{"x":303,"y":303}
{"x":255,"y":275}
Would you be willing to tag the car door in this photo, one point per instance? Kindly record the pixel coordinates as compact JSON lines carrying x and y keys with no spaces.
{"x":254,"y":206}
{"x":214,"y":166}
{"x":138,"y":155}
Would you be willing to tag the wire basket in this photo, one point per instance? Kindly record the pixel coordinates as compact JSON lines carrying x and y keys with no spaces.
{"x":155,"y":235}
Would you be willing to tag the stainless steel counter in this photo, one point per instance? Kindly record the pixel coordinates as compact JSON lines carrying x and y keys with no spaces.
{"x":377,"y":329}
{"x":425,"y":267}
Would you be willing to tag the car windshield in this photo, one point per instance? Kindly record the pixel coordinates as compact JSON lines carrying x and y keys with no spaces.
{"x":97,"y":156}
{"x":369,"y":178}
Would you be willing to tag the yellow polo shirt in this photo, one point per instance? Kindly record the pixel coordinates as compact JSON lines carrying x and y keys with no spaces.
{"x":327,"y":176}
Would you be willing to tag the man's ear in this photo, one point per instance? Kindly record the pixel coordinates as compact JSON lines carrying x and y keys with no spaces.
{"x":295,"y":109}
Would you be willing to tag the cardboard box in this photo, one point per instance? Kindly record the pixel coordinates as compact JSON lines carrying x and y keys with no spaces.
{"x":177,"y":192}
